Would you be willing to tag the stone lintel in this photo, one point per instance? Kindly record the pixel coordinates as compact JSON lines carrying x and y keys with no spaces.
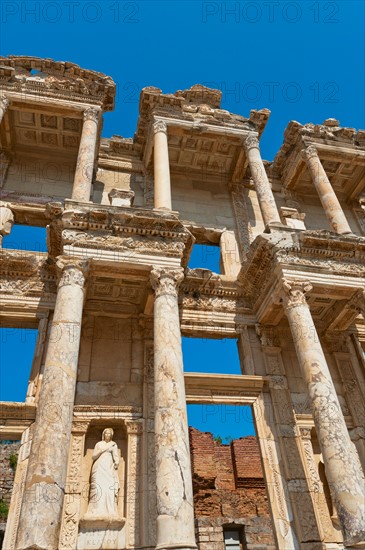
{"x":218,"y":388}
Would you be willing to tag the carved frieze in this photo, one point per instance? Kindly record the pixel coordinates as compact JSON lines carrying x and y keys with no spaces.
{"x":138,"y":243}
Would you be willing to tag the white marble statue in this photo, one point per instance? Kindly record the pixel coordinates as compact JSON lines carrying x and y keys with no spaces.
{"x":104,"y":482}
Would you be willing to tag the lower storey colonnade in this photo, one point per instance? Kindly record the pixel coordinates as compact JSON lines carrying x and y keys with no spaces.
{"x":47,"y":467}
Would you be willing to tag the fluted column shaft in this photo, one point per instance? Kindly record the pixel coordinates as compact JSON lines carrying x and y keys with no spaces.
{"x":44,"y":489}
{"x":342,"y":469}
{"x":4,"y":104}
{"x":265,"y":195}
{"x":327,"y":196}
{"x":161,"y":166}
{"x":86,"y":156}
{"x":175,"y":521}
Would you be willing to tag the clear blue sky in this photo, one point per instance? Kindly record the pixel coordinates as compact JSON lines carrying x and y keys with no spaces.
{"x":303,"y":60}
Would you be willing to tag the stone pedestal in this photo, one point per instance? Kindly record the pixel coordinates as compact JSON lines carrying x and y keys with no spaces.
{"x":121,"y":197}
{"x":175,"y":521}
{"x":265,"y":195}
{"x":292,"y":218}
{"x":4,"y":104}
{"x":161,"y":166}
{"x":342,"y":470}
{"x":40,"y":516}
{"x":86,"y":156}
{"x":327,"y":196}
{"x":6,"y":221}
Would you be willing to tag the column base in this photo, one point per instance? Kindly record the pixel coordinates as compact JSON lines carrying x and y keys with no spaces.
{"x":176,"y":546}
{"x":176,"y":533}
{"x":276,"y":225}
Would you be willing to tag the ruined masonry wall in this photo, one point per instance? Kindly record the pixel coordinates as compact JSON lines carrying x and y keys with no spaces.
{"x":229,"y":489}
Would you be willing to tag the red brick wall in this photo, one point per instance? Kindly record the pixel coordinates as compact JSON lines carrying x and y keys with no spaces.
{"x":229,"y":489}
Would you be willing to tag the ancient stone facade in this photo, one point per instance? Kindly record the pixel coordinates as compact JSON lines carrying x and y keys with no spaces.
{"x":113,"y":295}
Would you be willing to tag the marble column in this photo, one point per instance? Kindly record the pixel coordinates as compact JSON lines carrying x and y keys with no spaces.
{"x":327,"y":196}
{"x":6,"y":221}
{"x":161,"y":166}
{"x":342,"y":470}
{"x":265,"y":195}
{"x":40,"y":516}
{"x":175,"y":520}
{"x":4,"y":104}
{"x":86,"y":156}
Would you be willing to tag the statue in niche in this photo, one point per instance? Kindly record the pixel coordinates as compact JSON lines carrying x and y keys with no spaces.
{"x":104,"y":482}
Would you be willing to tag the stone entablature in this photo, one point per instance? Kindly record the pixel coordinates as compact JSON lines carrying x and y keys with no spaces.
{"x":60,"y":80}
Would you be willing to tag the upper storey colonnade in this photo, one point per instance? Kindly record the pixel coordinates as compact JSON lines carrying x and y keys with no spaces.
{"x":172,"y":128}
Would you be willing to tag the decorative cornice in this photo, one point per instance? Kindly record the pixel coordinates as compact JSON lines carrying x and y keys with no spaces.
{"x":124,"y":220}
{"x":320,"y":251}
{"x":166,"y":281}
{"x":328,"y":133}
{"x":56,"y":79}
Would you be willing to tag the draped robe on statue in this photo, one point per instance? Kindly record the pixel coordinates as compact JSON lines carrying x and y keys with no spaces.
{"x":104,"y":483}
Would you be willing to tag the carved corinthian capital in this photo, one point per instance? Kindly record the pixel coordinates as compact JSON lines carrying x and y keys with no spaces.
{"x":251,"y":142}
{"x":310,"y":152}
{"x":6,"y":220}
{"x":294,"y":293}
{"x":166,"y":281}
{"x":72,"y":272}
{"x":357,"y":302}
{"x":4,"y":103}
{"x":134,"y":427}
{"x":159,"y":126}
{"x":92,"y":114}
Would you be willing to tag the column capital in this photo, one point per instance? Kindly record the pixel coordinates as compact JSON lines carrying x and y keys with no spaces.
{"x":4,"y":102}
{"x":251,"y":142}
{"x":357,"y":302}
{"x":72,"y":271}
{"x":306,"y":432}
{"x":159,"y":126}
{"x":79,"y":427}
{"x":6,"y":219}
{"x":166,"y":281}
{"x":92,"y":113}
{"x":134,"y":427}
{"x":294,"y":293}
{"x":310,"y":152}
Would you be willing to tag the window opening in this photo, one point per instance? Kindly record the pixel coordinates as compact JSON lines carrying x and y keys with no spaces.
{"x":211,"y":356}
{"x":205,"y":256}
{"x":26,"y":238}
{"x":16,"y":358}
{"x":232,"y":539}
